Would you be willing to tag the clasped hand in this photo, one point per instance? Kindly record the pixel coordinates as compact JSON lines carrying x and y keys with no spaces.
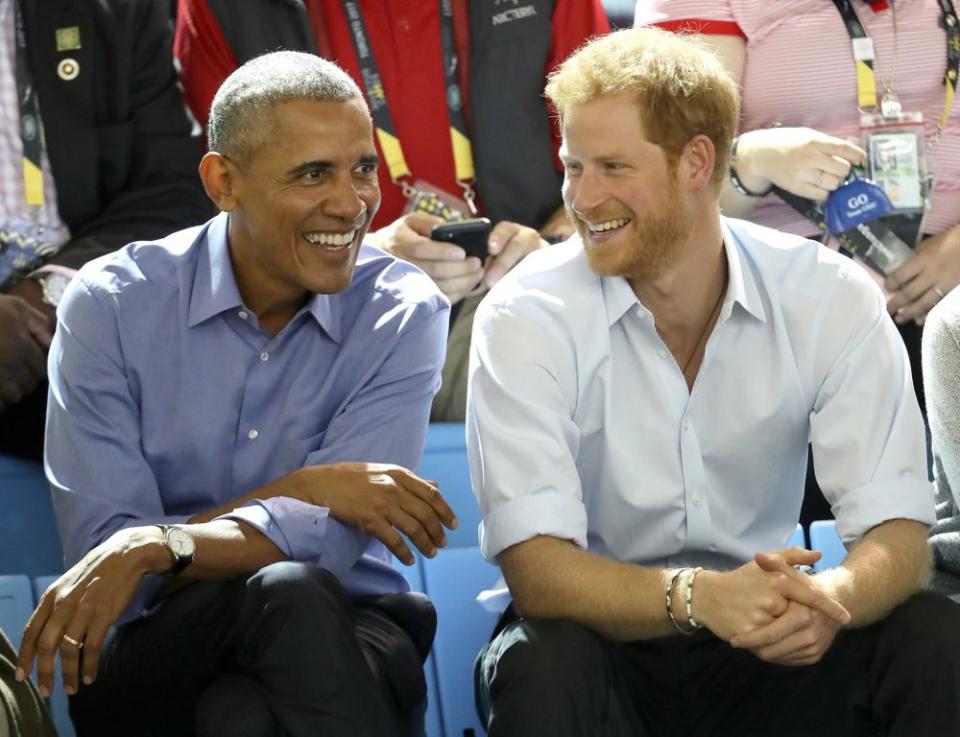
{"x":768,"y":607}
{"x":456,"y":274}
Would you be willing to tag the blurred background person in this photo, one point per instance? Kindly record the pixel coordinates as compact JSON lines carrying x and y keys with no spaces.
{"x":96,"y":150}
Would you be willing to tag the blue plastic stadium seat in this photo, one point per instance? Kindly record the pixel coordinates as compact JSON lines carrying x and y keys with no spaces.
{"x":16,"y":605}
{"x":445,"y":461}
{"x":823,"y":537}
{"x":29,"y":542}
{"x":414,"y":576}
{"x":453,"y":580}
{"x":57,"y":703}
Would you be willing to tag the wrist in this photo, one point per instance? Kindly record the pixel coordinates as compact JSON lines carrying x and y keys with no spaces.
{"x":704,"y":600}
{"x":743,"y":172}
{"x":838,"y":584}
{"x":147,"y":550}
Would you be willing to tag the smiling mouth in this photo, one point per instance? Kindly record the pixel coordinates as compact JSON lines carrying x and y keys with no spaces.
{"x":606,"y":226}
{"x":331,"y":241}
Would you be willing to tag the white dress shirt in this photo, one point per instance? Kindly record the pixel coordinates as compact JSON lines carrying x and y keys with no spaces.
{"x":580,"y":424}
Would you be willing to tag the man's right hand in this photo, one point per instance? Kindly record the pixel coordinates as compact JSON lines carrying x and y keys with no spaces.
{"x":25,"y":335}
{"x":754,"y":595}
{"x":408,"y":238}
{"x":381,"y":500}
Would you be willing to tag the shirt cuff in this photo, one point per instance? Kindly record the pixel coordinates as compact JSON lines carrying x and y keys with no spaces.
{"x":861,"y":509}
{"x":544,"y":513}
{"x":304,"y":532}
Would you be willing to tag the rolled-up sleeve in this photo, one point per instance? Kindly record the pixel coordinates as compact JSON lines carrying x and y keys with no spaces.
{"x":867,"y":433}
{"x":521,"y":437}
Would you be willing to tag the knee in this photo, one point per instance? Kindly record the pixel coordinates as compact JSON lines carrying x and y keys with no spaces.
{"x":291,"y":584}
{"x":547,"y":654}
{"x":926,"y":630}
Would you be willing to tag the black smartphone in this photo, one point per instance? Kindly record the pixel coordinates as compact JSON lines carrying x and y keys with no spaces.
{"x":470,"y":235}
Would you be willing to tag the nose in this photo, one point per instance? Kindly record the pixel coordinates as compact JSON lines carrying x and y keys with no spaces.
{"x":585,"y":192}
{"x":343,"y":200}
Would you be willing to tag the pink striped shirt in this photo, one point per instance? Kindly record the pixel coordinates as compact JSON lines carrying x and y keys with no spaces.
{"x":800,"y":71}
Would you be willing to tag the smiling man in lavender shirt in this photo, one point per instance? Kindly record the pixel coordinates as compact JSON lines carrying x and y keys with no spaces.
{"x":232,"y":413}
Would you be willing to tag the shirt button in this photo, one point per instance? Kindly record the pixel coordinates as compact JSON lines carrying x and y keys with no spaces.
{"x":686,"y":427}
{"x":252,"y":434}
{"x":696,"y":500}
{"x":242,"y":314}
{"x":641,"y":313}
{"x":662,"y":353}
{"x":264,"y":356}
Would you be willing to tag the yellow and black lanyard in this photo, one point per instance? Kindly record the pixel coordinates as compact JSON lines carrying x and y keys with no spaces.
{"x":863,"y":56}
{"x":397,"y":166}
{"x":30,"y":133}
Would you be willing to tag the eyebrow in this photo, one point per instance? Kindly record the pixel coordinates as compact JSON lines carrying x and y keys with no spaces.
{"x":327,"y":165}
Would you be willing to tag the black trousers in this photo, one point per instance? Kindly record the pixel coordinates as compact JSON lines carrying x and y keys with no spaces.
{"x":285,"y":652}
{"x":897,"y":677}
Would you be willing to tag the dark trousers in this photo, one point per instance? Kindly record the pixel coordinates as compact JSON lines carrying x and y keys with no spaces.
{"x":285,"y":652}
{"x":897,"y":677}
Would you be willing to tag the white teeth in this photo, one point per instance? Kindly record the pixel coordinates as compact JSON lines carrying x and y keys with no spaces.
{"x":331,"y":239}
{"x":607,"y":225}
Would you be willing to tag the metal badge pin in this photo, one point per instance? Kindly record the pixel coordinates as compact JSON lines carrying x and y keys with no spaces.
{"x":68,"y":69}
{"x":68,"y":39}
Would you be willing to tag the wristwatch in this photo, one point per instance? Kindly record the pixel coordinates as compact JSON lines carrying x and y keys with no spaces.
{"x":53,"y":285}
{"x":181,"y":545}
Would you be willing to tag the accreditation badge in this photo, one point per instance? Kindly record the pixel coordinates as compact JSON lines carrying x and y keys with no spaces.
{"x":896,"y":160}
{"x":436,"y":201}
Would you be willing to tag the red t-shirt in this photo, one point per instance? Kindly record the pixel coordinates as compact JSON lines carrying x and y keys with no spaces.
{"x":405,"y":36}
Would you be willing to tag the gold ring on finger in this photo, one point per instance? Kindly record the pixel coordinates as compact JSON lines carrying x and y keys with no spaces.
{"x":819,"y":183}
{"x":73,"y":641}
{"x":939,"y":292}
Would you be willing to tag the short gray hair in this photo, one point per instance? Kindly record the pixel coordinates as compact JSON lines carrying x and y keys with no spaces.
{"x":239,"y":112}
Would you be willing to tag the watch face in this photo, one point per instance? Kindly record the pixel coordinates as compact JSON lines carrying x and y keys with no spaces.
{"x":180,"y":542}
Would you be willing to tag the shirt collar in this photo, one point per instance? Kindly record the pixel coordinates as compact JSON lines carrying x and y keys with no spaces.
{"x":742,"y":287}
{"x":215,"y":287}
{"x":619,"y":297}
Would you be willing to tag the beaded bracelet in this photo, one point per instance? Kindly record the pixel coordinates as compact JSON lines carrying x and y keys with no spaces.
{"x":669,"y":601}
{"x":735,"y":178}
{"x":691,"y":622}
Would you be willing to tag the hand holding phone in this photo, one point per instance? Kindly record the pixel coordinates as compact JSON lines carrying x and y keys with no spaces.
{"x":470,"y":235}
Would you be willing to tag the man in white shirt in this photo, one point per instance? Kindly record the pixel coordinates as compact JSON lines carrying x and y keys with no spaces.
{"x":641,"y":400}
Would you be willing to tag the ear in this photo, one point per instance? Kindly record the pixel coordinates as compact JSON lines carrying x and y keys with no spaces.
{"x":697,"y":161}
{"x":219,"y":177}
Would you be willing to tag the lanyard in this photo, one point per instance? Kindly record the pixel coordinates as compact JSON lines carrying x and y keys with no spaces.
{"x":29,"y":117}
{"x":380,"y":110}
{"x":863,"y":56}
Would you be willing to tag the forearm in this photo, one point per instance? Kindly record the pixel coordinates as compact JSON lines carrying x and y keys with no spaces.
{"x":888,"y":565}
{"x":224,"y":548}
{"x":554,"y":578}
{"x":291,"y":485}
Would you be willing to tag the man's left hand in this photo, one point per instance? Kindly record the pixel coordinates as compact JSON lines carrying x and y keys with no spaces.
{"x":508,"y":244}
{"x":798,"y":636}
{"x":923,"y":281}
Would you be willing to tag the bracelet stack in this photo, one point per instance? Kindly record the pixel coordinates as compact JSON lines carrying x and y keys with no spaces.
{"x":735,"y":178}
{"x":683,"y":578}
